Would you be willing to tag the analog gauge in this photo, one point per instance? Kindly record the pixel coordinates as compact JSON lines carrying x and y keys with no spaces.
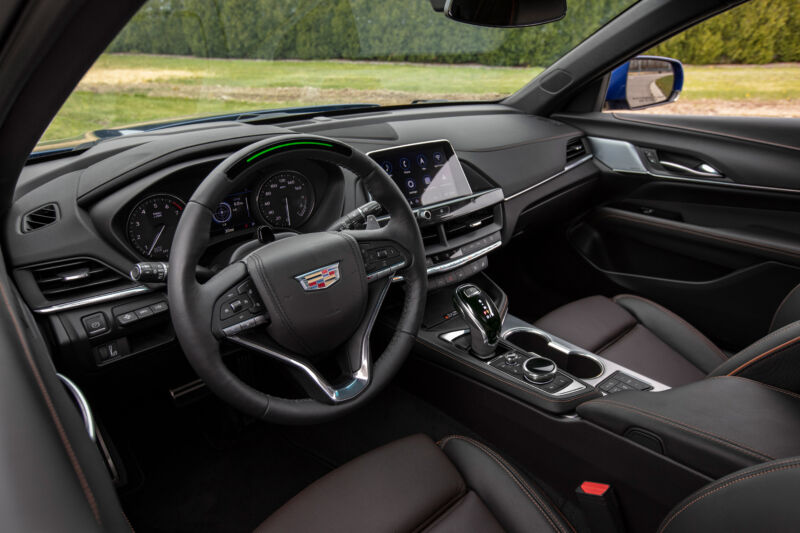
{"x":152,"y":224}
{"x":285,"y":199}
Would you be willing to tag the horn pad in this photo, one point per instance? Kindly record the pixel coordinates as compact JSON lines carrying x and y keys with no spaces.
{"x":314,"y":288}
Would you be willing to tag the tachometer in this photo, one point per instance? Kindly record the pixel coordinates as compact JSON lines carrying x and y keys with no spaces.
{"x":152,"y":224}
{"x":285,"y":199}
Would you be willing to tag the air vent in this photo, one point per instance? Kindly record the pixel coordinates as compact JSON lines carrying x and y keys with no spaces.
{"x":39,"y":218}
{"x":76,"y":278}
{"x":575,"y":150}
{"x":430,"y":235}
{"x":469,"y":223}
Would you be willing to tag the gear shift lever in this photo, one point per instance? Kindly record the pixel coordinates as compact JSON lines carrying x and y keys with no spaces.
{"x":482,"y":316}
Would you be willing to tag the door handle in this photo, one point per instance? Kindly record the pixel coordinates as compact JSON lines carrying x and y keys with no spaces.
{"x":705,"y":171}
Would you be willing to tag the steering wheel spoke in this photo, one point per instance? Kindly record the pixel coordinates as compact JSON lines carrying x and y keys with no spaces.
{"x":356,"y":359}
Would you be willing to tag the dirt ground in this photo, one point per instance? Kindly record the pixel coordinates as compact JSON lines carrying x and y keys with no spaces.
{"x":789,"y":108}
{"x":156,"y":82}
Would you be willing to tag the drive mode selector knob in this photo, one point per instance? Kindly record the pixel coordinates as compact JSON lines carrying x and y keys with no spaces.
{"x":539,"y":370}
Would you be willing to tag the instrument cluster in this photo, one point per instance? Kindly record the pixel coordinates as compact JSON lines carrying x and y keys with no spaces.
{"x":279,"y":198}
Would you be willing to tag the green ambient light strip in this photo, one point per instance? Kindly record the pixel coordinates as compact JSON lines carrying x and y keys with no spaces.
{"x":271,"y":148}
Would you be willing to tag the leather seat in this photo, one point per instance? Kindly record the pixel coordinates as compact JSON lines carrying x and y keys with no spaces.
{"x":641,"y":335}
{"x":463,"y":486}
{"x":414,"y":484}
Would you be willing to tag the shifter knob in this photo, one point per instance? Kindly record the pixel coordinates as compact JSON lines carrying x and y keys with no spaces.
{"x":481,"y":315}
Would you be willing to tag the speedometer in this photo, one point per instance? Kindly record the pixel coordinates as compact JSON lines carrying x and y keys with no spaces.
{"x":285,"y":199}
{"x":152,"y":224}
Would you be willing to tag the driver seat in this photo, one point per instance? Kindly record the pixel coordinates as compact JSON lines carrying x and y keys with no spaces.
{"x":460,"y":485}
{"x":413,"y":484}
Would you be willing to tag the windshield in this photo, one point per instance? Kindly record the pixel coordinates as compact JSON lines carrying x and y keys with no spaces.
{"x":186,"y":59}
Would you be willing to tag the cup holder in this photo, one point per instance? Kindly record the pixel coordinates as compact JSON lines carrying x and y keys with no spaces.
{"x":580,"y":365}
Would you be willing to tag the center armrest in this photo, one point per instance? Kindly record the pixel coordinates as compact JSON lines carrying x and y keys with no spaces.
{"x":715,"y":426}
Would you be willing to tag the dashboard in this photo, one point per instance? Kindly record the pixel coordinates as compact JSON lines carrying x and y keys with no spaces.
{"x":474,"y":176}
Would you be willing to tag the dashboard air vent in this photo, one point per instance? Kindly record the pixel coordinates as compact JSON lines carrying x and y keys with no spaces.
{"x":76,"y":278}
{"x":468,"y":224}
{"x":39,"y":217}
{"x":575,"y":150}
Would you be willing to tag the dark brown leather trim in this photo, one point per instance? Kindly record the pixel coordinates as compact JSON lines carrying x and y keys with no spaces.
{"x":728,"y":482}
{"x":776,"y":349}
{"x":688,"y":326}
{"x":87,"y":491}
{"x":533,"y":495}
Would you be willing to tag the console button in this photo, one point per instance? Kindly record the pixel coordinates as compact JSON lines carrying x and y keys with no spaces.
{"x":126,"y":318}
{"x":144,"y":312}
{"x":159,"y":307}
{"x":95,"y":324}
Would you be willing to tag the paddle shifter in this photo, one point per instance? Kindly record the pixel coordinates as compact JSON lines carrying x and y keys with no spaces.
{"x":484,"y":320}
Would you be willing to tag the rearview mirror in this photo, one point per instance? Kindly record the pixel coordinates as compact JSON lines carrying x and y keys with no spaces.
{"x":644,"y":81}
{"x":505,"y":13}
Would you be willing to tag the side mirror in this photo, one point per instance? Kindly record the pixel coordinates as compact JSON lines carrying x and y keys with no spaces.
{"x":505,"y":13}
{"x":644,"y":81}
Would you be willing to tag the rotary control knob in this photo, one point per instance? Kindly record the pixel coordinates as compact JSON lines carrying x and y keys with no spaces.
{"x":512,"y":359}
{"x":539,"y":370}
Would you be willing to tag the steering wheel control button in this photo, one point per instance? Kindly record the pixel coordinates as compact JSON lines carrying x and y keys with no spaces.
{"x":95,"y":324}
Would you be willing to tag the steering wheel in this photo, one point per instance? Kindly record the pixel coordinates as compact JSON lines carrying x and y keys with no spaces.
{"x":300,"y":300}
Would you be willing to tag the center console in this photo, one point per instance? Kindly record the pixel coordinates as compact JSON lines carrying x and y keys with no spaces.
{"x":469,"y":329}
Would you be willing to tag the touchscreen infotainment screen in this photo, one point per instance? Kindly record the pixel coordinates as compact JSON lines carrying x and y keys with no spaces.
{"x":427,"y":173}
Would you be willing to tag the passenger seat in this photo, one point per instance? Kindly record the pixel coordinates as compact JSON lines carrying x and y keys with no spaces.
{"x":648,"y":338}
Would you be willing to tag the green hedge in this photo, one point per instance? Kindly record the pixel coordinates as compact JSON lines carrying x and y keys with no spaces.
{"x":408,"y":30}
{"x":761,"y":31}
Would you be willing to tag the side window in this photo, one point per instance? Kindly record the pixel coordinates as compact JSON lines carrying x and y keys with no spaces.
{"x":744,"y":62}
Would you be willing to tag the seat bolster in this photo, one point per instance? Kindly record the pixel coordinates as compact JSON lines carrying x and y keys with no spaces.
{"x":402,"y":486}
{"x":774,"y":360}
{"x":760,"y":498}
{"x":590,"y":323}
{"x":788,"y":311}
{"x":469,"y":514}
{"x":674,"y":331}
{"x":516,"y":504}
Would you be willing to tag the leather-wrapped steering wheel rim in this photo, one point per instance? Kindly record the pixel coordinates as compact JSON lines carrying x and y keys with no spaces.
{"x":191,"y":302}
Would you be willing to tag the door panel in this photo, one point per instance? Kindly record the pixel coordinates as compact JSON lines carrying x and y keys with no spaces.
{"x":721,"y":251}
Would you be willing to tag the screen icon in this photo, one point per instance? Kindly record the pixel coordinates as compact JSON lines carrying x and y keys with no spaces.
{"x":426,"y":179}
{"x":411,"y":185}
{"x":438,"y":158}
{"x":422,"y":161}
{"x":387,"y":166}
{"x":405,"y":164}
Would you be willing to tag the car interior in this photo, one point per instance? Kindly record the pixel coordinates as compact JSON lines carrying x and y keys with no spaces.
{"x":543,"y":313}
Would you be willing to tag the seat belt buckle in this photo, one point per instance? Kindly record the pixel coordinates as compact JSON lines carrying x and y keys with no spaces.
{"x":600,"y":506}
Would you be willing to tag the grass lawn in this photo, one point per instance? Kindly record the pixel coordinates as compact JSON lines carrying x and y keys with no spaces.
{"x":124,"y":89}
